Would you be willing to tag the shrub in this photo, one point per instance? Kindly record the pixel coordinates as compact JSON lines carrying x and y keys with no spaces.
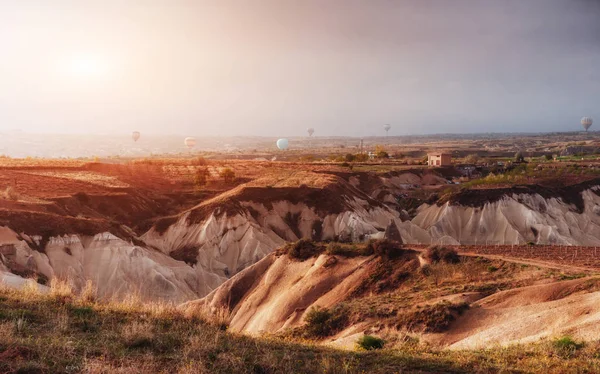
{"x":431,"y":318}
{"x":492,"y":268}
{"x":349,"y":157}
{"x":322,"y":322}
{"x":370,"y":342}
{"x":436,"y":254}
{"x":201,"y":177}
{"x":303,"y":249}
{"x":384,"y":248}
{"x":566,"y":346}
{"x":345,"y":250}
{"x":228,"y":175}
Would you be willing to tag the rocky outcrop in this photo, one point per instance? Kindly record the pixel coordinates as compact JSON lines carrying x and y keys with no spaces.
{"x":275,"y":293}
{"x":189,"y":255}
{"x":233,"y":235}
{"x":515,"y":219}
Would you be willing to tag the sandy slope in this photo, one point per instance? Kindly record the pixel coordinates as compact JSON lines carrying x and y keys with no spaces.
{"x":275,"y":293}
{"x":526,"y":315}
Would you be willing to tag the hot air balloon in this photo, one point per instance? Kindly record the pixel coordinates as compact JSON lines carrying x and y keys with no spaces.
{"x":310,"y":131}
{"x":190,"y":142}
{"x":387,"y":128}
{"x":135,"y":136}
{"x":282,"y":144}
{"x":586,"y":122}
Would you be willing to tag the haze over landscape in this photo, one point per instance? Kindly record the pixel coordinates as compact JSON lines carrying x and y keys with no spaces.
{"x":273,"y":68}
{"x":315,"y":186}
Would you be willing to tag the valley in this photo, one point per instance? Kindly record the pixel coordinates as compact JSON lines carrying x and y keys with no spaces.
{"x":315,"y":251}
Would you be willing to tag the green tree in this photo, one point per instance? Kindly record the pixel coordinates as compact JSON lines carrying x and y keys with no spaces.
{"x":519,"y":157}
{"x":382,"y":154}
{"x":361,"y":157}
{"x":472,"y":159}
{"x":228,"y":175}
{"x":201,"y":177}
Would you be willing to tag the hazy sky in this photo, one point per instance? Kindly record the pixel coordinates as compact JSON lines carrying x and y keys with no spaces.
{"x":276,"y":67}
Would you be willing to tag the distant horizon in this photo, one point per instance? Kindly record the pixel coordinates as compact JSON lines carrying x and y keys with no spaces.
{"x":276,"y":67}
{"x":159,"y":134}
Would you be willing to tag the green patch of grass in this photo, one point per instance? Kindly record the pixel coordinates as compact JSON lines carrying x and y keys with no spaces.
{"x":572,"y":276}
{"x":82,"y":311}
{"x":322,"y":322}
{"x":370,"y":342}
{"x":566,"y":346}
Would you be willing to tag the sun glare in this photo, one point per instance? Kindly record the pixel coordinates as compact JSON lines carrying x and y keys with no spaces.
{"x":86,"y":66}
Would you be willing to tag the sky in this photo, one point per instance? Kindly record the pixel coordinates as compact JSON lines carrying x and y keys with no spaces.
{"x":277,"y":67}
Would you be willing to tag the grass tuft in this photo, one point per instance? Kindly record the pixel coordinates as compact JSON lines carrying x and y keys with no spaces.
{"x":370,"y":342}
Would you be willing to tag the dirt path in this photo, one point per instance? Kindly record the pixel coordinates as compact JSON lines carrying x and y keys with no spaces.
{"x":518,"y":260}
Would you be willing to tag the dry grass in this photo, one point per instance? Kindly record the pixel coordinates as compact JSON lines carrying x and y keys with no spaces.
{"x":48,"y":333}
{"x":89,"y":293}
{"x":138,"y":334}
{"x":62,"y":289}
{"x":217,"y":316}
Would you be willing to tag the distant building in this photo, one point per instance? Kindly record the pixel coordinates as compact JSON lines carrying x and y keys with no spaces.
{"x":439,"y":159}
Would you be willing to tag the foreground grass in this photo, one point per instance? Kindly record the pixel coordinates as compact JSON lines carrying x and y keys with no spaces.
{"x":63,"y":333}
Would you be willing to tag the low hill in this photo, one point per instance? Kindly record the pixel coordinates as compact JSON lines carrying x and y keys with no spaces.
{"x":383,"y":289}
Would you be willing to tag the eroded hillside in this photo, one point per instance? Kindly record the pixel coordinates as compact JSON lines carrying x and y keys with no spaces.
{"x":147,"y":228}
{"x":336,"y":293}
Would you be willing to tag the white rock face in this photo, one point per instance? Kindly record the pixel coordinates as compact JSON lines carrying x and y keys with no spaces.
{"x":228,"y":244}
{"x":116,"y":267}
{"x":515,"y":219}
{"x":192,"y":258}
{"x":221,"y":246}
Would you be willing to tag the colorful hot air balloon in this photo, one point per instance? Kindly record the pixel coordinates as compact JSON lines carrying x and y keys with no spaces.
{"x":310,"y":131}
{"x":586,"y":122}
{"x":190,"y":142}
{"x":387,"y":128}
{"x":282,"y":144}
{"x":135,"y":136}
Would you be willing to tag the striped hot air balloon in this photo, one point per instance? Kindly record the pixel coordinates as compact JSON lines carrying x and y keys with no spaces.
{"x":587,"y":122}
{"x":190,"y":142}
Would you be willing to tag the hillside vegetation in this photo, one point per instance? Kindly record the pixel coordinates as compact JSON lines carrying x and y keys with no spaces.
{"x":59,"y":332}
